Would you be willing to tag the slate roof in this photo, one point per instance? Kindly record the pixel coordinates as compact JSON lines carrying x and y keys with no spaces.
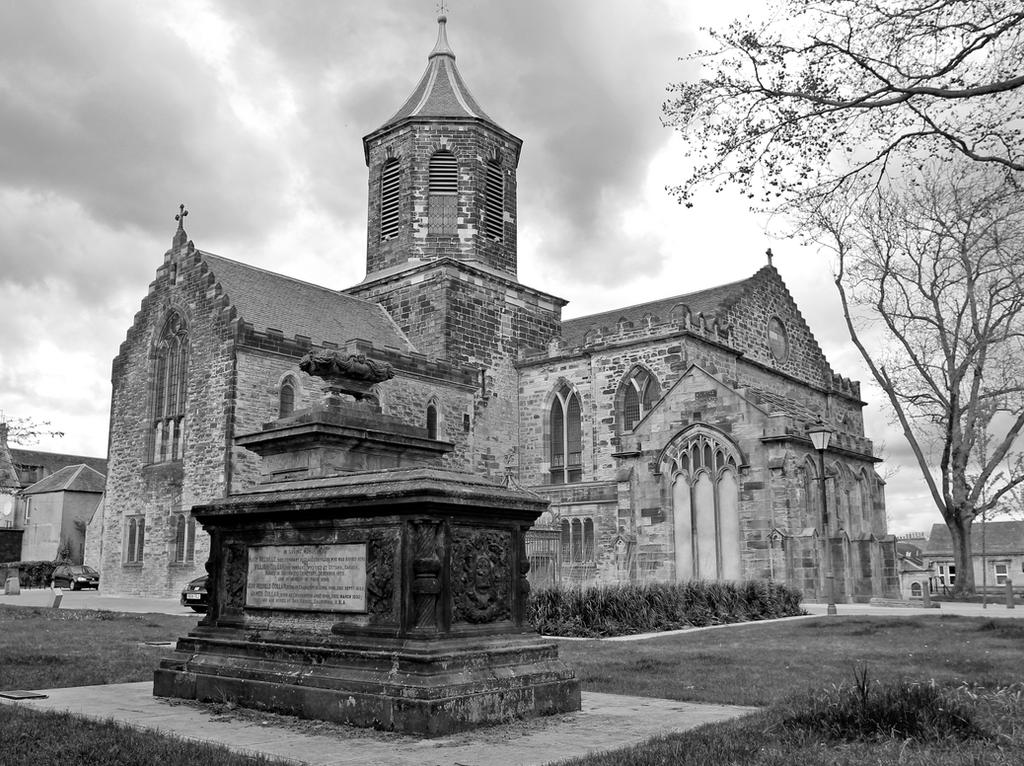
{"x":51,"y":462}
{"x":774,"y":402}
{"x":72,"y":478}
{"x":712,"y":301}
{"x":1001,"y":538}
{"x":441,"y":91}
{"x":273,"y":301}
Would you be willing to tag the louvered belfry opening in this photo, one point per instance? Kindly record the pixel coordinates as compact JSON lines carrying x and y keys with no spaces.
{"x":390,"y":183}
{"x":494,"y":202}
{"x":444,"y":190}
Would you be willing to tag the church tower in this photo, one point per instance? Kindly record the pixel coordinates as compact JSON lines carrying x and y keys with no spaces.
{"x":442,"y":179}
{"x":441,"y":243}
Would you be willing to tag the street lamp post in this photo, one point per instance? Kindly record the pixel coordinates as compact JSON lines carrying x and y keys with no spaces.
{"x":820,"y":435}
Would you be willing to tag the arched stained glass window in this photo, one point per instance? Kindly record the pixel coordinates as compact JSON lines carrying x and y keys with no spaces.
{"x":431,"y":421}
{"x":565,"y":437}
{"x":184,"y":538}
{"x":170,"y":385}
{"x":135,"y":539}
{"x":286,"y":399}
{"x":443,"y":197}
{"x":637,"y":395}
{"x":578,"y":541}
{"x":702,"y":475}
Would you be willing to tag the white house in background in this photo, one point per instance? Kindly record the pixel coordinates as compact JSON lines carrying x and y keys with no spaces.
{"x":57,"y":511}
{"x":997,"y":553}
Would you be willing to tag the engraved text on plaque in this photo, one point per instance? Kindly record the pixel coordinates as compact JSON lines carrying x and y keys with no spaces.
{"x":317,"y":577}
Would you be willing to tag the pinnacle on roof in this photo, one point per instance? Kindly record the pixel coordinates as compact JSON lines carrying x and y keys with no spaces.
{"x":441,"y":91}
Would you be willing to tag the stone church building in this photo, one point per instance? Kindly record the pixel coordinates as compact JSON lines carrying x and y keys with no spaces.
{"x":670,"y":438}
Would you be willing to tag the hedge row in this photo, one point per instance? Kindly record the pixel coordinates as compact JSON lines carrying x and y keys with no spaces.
{"x":31,"y":574}
{"x":620,"y":610}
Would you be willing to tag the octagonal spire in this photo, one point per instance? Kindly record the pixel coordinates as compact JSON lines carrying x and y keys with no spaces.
{"x":441,"y":92}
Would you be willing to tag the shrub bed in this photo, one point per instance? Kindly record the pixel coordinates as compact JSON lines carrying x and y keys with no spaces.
{"x":31,"y":574}
{"x":620,"y":610}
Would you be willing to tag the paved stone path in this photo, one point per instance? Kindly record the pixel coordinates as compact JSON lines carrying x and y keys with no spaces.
{"x":607,"y":721}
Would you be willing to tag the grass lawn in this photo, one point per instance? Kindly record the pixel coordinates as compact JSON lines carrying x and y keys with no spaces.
{"x":975,"y":664}
{"x":804,"y":671}
{"x":760,"y":664}
{"x":50,"y":648}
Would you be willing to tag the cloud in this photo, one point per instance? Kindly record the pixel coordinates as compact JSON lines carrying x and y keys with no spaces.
{"x":119,"y":116}
{"x":252,"y":113}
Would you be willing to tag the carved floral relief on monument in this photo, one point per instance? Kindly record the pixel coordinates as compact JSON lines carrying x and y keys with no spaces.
{"x":481,"y":574}
{"x":426,"y":565}
{"x":234,"y":570}
{"x":380,"y":576}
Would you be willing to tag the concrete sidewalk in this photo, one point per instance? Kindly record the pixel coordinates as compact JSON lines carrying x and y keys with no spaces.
{"x":90,"y":599}
{"x":607,"y":721}
{"x":945,"y":607}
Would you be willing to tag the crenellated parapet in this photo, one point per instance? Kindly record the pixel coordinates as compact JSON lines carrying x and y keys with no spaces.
{"x":846,"y":386}
{"x":786,"y":427}
{"x":681,"y":320}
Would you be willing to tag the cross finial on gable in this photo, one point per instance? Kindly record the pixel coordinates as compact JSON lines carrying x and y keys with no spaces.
{"x":180,"y":217}
{"x":180,"y":237}
{"x":768,"y":252}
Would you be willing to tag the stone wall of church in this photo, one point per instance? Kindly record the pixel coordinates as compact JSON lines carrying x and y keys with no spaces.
{"x":596,"y":376}
{"x":406,"y":396}
{"x":742,"y":402}
{"x":138,"y":486}
{"x":765,"y":297}
{"x":474,"y":319}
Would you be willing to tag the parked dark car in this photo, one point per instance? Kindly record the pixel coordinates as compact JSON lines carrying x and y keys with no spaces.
{"x":75,"y":577}
{"x":195,"y":595}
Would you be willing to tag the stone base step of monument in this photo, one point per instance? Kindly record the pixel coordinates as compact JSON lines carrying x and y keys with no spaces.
{"x":427,"y":687}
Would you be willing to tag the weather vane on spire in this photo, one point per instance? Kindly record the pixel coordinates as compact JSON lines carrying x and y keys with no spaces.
{"x":442,"y":7}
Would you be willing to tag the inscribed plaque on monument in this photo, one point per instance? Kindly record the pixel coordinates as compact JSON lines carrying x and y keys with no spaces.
{"x":316,"y":577}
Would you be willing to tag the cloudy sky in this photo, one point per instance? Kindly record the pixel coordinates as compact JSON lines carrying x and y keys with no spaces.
{"x":251,"y":113}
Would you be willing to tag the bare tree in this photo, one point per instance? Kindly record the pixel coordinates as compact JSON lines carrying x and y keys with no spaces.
{"x":831,"y":90}
{"x":26,"y":431}
{"x":930,"y":274}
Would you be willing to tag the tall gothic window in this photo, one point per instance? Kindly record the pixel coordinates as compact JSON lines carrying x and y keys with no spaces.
{"x":494,"y":202}
{"x":184,"y":528}
{"x":443,"y":192}
{"x":566,"y":437}
{"x":170,"y":383}
{"x":390,"y":184}
{"x":577,"y":539}
{"x":432,"y":421}
{"x":702,"y":468}
{"x":135,"y":539}
{"x":286,"y":397}
{"x":637,"y":395}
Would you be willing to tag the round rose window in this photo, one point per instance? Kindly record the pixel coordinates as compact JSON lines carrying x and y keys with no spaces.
{"x":778,"y":340}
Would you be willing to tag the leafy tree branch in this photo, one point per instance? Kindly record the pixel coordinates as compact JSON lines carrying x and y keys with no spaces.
{"x":829,"y":91}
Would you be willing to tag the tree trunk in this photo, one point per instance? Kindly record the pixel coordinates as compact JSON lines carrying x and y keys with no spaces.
{"x":960,"y":532}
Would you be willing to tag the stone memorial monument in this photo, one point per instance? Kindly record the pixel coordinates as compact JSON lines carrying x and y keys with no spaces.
{"x":361,"y":583}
